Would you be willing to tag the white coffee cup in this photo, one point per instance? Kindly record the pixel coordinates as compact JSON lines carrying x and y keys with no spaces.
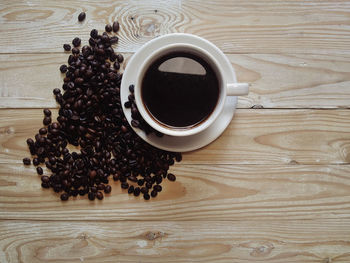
{"x":225,"y":88}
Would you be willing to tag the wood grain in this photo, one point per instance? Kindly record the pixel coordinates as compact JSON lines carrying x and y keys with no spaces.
{"x":234,"y":26}
{"x":253,"y":137}
{"x":201,"y":193}
{"x":288,"y":241}
{"x":278,"y":81}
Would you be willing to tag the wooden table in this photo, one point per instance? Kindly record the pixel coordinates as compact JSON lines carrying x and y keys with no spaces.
{"x":275,"y":187}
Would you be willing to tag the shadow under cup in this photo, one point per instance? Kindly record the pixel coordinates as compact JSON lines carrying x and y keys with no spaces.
{"x":180,"y":90}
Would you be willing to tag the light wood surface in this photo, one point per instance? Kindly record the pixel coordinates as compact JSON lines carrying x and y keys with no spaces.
{"x":275,"y":187}
{"x":163,"y":241}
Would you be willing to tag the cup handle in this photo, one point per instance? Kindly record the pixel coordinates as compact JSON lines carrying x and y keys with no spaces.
{"x":237,"y":89}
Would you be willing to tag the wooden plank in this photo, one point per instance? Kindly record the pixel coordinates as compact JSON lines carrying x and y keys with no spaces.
{"x":201,"y":192}
{"x":278,"y":81}
{"x":311,"y":27}
{"x":290,"y":241}
{"x":253,"y":137}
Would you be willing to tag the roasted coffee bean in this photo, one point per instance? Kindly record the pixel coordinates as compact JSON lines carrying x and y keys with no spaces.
{"x":120,"y":58}
{"x":30,"y":142}
{"x":136,"y":191}
{"x":36,"y":161}
{"x":91,"y":196}
{"x":154,"y":193}
{"x":116,"y":64}
{"x":108,"y":189}
{"x":115,"y":27}
{"x":66,"y":47}
{"x":171,"y":177}
{"x":81,"y":16}
{"x":26,"y":161}
{"x":43,"y":131}
{"x":45,"y":179}
{"x":99,"y":195}
{"x":94,"y":33}
{"x":91,"y":117}
{"x":108,"y":28}
{"x":39,"y":170}
{"x":75,"y":51}
{"x":63,"y":68}
{"x":146,"y":196}
{"x":131,"y":189}
{"x":64,"y":197}
{"x":144,"y":190}
{"x":76,"y":42}
{"x":125,"y":185}
{"x":132,"y":88}
{"x":47,"y":120}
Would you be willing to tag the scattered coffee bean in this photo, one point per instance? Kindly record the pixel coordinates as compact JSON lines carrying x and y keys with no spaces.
{"x":26,"y":161}
{"x":91,"y":196}
{"x":91,"y":117}
{"x":125,"y":185}
{"x":108,"y":189}
{"x":66,"y":47}
{"x":108,"y":28}
{"x":39,"y":170}
{"x":64,"y":197}
{"x":171,"y":177}
{"x":120,"y":58}
{"x":115,"y":27}
{"x":154,"y":193}
{"x":47,"y":120}
{"x":146,"y":196}
{"x":81,"y":16}
{"x":131,"y":189}
{"x":99,"y":195}
{"x":136,"y":191}
{"x":76,"y":42}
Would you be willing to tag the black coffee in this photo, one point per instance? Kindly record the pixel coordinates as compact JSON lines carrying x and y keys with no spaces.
{"x":180,"y":98}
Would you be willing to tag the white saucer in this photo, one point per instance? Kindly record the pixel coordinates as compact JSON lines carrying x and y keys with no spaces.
{"x":192,"y":142}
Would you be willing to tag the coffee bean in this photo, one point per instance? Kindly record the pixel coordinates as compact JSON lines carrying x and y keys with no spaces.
{"x":75,"y":51}
{"x":43,"y":131}
{"x":146,"y":196}
{"x":125,"y":185}
{"x":140,"y":182}
{"x":120,"y":58}
{"x":115,"y":27}
{"x":108,"y":28}
{"x":94,"y":33}
{"x":116,"y":64}
{"x":47,"y":120}
{"x":178,"y":157}
{"x":45,"y":179}
{"x":144,"y":190}
{"x":171,"y":177}
{"x":91,"y":196}
{"x":36,"y":161}
{"x":64,"y":197}
{"x":136,"y":191}
{"x":26,"y":161}
{"x":158,"y":188}
{"x":63,"y":68}
{"x":30,"y":142}
{"x":76,"y":42}
{"x":154,"y":193}
{"x":39,"y":170}
{"x":66,"y":47}
{"x":81,"y":16}
{"x":131,"y":189}
{"x":132,"y":88}
{"x":135,"y":123}
{"x":114,"y":40}
{"x":56,"y":91}
{"x":99,"y":195}
{"x":108,"y":189}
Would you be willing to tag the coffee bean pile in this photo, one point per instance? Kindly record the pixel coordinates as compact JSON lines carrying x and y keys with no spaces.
{"x":137,"y":120}
{"x":90,"y":116}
